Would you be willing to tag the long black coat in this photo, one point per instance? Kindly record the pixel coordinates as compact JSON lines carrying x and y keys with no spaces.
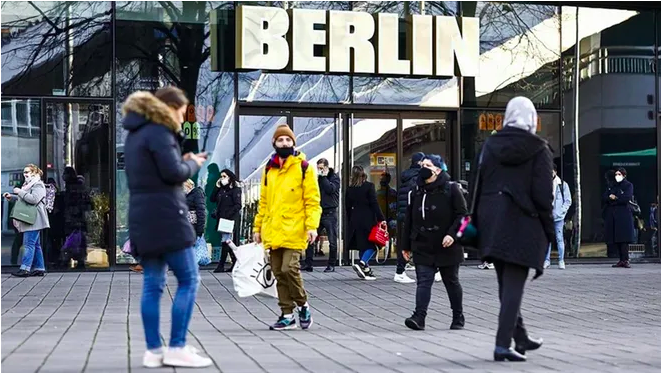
{"x":228,"y":206}
{"x":364,"y":213}
{"x":158,"y":213}
{"x":195,"y":201}
{"x":444,"y":205}
{"x":515,"y":199}
{"x":618,"y":218}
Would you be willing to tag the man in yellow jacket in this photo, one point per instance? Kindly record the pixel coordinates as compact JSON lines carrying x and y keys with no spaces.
{"x":287,"y":220}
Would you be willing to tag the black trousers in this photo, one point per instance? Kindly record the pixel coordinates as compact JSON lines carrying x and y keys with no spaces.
{"x":450,"y":276}
{"x":511,"y":281}
{"x":328,"y":223}
{"x":401,"y":262}
{"x":224,"y":251}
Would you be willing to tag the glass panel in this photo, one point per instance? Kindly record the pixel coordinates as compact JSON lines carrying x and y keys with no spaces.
{"x":429,"y":136}
{"x":59,"y":48}
{"x":519,"y":54}
{"x":617,"y":128}
{"x":373,"y":145}
{"x":293,"y":87}
{"x":78,"y":161}
{"x":20,"y":146}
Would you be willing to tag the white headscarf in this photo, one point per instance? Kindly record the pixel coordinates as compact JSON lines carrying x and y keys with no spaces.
{"x":520,"y":113}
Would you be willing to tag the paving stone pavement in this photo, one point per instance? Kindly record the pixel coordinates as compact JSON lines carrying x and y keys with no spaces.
{"x":593,"y":318}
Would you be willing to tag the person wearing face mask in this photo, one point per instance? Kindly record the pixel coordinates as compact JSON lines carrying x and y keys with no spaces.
{"x":286,"y":222}
{"x":159,"y":230}
{"x":430,"y":230}
{"x":32,"y":192}
{"x":561,"y":204}
{"x":227,"y":196}
{"x":618,"y":217}
{"x":513,"y":214}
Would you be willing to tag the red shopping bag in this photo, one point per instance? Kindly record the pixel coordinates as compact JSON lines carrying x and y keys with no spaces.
{"x":379,"y":234}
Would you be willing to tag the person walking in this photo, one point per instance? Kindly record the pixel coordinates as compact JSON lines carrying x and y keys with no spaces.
{"x":33,"y":193}
{"x":514,"y":217}
{"x":227,"y":196}
{"x":159,"y":230}
{"x":407,"y":182}
{"x":561,"y":204}
{"x":329,"y":187}
{"x":286,"y":222}
{"x":364,"y":214}
{"x":197,"y":217}
{"x":430,"y":231}
{"x":211,"y":233}
{"x":618,"y":217}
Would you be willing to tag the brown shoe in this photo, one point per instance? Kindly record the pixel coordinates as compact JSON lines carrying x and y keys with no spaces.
{"x":626,"y":264}
{"x":136,"y":268}
{"x":617,"y":265}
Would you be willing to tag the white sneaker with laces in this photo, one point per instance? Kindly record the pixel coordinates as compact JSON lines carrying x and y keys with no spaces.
{"x":185,"y":357}
{"x":561,"y":265}
{"x":437,"y":277}
{"x":547,"y":264}
{"x":152,"y":360}
{"x":403,"y":278}
{"x":490,"y":266}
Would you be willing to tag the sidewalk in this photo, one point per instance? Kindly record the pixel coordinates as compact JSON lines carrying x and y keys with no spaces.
{"x":592,"y":318}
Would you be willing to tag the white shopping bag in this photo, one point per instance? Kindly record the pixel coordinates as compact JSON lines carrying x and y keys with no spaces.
{"x":252,"y":273}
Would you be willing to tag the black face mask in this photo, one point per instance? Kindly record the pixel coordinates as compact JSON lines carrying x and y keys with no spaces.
{"x":284,"y":152}
{"x":425,"y":174}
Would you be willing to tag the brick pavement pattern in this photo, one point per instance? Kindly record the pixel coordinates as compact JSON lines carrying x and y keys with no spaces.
{"x":593,"y":318}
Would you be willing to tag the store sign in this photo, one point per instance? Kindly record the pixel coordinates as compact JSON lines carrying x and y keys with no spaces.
{"x":494,"y":121}
{"x":275,"y":39}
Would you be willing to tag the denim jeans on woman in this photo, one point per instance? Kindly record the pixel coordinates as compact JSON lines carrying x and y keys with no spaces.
{"x":33,"y":255}
{"x":560,"y":239}
{"x":184,"y":266}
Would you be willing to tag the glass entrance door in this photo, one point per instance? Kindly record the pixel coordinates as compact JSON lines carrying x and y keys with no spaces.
{"x":78,"y":164}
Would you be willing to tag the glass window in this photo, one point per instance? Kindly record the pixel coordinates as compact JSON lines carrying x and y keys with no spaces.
{"x":519,"y":54}
{"x":18,"y":149}
{"x":293,"y":87}
{"x":617,"y":128}
{"x":59,"y":48}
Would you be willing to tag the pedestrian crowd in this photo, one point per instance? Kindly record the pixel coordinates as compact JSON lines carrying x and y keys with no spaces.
{"x":514,"y":213}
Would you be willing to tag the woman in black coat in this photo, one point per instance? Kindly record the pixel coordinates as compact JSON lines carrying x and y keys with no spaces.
{"x":364,"y":213}
{"x":430,"y":230}
{"x":514,"y":217}
{"x":227,"y":196}
{"x":618,"y":217}
{"x":196,"y":207}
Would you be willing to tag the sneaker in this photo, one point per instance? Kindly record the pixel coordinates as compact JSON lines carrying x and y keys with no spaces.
{"x":38,"y":273}
{"x":403,"y":278}
{"x":359,"y":269}
{"x":415,"y":322}
{"x":437,"y":277}
{"x":152,"y":360}
{"x":618,"y":264}
{"x":284,"y":323}
{"x":485,"y":265}
{"x":369,"y":274}
{"x":409,"y":267}
{"x":561,"y":265}
{"x":305,"y":317}
{"x":185,"y":357}
{"x":547,"y":264}
{"x":21,"y":273}
{"x":626,"y":264}
{"x":307,"y":268}
{"x":458,"y":321}
{"x":329,"y":269}
{"x":490,"y":266}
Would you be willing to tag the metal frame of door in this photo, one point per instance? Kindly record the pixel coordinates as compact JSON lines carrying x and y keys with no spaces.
{"x":344,"y":116}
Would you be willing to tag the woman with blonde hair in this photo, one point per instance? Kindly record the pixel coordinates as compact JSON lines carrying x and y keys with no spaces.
{"x":364,"y":213}
{"x":32,"y":193}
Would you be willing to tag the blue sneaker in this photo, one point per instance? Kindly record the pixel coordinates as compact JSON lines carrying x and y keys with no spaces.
{"x":305,"y":317}
{"x":284,"y":323}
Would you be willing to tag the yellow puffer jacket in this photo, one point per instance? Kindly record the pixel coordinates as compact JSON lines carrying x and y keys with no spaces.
{"x":289,"y":205}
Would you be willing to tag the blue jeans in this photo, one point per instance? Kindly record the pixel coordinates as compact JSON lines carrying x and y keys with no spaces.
{"x":367,"y":255}
{"x":33,"y":255}
{"x":184,"y":266}
{"x":560,"y":239}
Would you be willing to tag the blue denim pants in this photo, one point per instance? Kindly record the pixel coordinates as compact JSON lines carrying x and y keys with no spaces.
{"x":184,"y":266}
{"x":560,"y":239}
{"x":33,"y":255}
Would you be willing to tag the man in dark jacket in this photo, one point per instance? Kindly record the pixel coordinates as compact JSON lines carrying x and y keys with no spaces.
{"x":406,"y":183}
{"x":329,"y":187}
{"x":514,"y":217}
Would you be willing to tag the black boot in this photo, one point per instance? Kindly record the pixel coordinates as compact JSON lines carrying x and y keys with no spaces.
{"x":415,"y":322}
{"x":220,"y":268}
{"x":528,"y":344}
{"x":503,"y":353}
{"x":458,"y":321}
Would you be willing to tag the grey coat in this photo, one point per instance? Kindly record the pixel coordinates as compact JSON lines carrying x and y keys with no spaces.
{"x":34,"y":196}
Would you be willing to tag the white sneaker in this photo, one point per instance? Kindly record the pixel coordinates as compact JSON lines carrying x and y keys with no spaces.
{"x":152,"y":360}
{"x":547,"y":264}
{"x":185,"y":357}
{"x":490,"y":266}
{"x":403,"y":278}
{"x":437,"y":277}
{"x":561,"y":265}
{"x":409,"y":267}
{"x":484,"y":265}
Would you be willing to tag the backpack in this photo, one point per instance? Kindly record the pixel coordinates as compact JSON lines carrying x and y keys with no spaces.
{"x":304,"y":168}
{"x":49,"y":200}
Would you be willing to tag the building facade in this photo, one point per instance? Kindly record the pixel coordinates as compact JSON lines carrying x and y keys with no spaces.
{"x":68,"y":66}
